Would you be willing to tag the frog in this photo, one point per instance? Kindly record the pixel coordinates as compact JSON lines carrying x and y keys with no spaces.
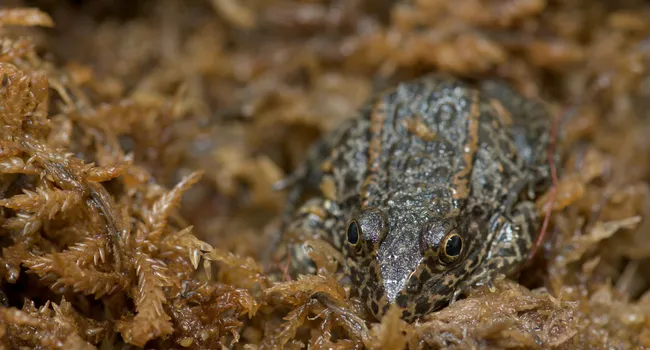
{"x":427,"y":191}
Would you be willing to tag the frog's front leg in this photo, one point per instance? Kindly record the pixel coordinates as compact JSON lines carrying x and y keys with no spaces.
{"x":307,"y":177}
{"x":317,"y":219}
{"x":510,"y":247}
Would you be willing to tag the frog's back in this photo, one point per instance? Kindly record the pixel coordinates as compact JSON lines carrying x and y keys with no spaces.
{"x":431,"y":131}
{"x":429,"y":139}
{"x":396,"y":141}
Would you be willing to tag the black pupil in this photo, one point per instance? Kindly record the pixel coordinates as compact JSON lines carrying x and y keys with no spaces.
{"x":454,"y":245}
{"x":353,"y":233}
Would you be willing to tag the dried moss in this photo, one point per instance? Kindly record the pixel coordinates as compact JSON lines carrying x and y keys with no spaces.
{"x":139,"y":146}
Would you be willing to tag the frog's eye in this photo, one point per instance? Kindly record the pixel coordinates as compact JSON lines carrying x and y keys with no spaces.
{"x":452,"y":247}
{"x":353,"y":233}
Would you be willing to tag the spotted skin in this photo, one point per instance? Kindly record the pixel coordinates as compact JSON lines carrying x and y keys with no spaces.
{"x":430,"y":192}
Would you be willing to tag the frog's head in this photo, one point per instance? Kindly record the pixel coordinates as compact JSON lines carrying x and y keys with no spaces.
{"x":411,"y":258}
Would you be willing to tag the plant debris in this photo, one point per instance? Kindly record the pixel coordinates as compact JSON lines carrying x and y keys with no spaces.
{"x":140,"y":144}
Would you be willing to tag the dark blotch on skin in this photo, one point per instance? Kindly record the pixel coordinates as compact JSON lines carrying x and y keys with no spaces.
{"x":365,"y":264}
{"x":402,"y":300}
{"x":354,"y":276}
{"x":422,"y":307}
{"x":372,"y":270}
{"x":380,"y":293}
{"x":375,"y":308}
{"x":365,"y":293}
{"x":425,"y":275}
{"x":413,"y":285}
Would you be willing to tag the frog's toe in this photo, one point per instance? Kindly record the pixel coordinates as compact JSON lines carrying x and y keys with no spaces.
{"x":300,"y":260}
{"x":491,"y":287}
{"x":288,"y":181}
{"x":456,"y":296}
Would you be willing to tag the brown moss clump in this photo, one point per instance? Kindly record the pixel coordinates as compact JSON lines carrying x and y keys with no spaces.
{"x":140,"y":142}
